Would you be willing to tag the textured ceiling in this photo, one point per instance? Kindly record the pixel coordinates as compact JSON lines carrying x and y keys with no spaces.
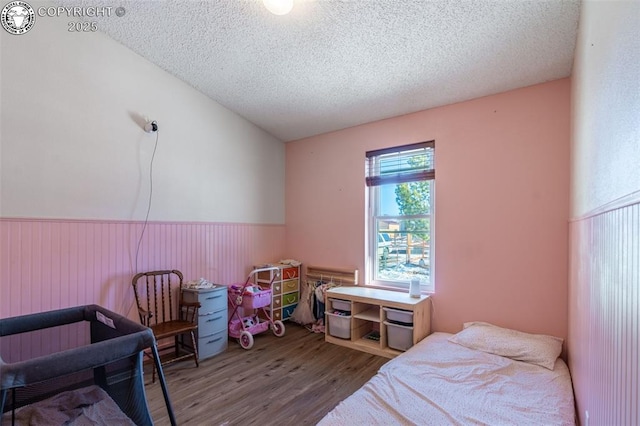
{"x":332,"y":64}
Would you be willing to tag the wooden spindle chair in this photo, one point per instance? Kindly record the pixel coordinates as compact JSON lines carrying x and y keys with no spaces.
{"x":162,"y":309}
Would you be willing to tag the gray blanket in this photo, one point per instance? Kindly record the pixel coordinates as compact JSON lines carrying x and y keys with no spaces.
{"x":80,"y":407}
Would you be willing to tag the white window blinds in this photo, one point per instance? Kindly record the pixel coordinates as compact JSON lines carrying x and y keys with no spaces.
{"x":407,"y":163}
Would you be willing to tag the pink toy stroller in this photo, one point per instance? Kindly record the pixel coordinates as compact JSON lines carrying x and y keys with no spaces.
{"x":245,"y":302}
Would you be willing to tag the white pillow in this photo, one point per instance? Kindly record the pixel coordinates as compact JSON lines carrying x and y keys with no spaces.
{"x":536,"y":349}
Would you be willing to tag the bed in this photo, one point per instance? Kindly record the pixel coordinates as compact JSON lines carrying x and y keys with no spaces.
{"x":473,"y":377}
{"x":75,"y":366}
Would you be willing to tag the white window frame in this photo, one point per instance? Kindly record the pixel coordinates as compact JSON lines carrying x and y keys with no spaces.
{"x":373,"y":217}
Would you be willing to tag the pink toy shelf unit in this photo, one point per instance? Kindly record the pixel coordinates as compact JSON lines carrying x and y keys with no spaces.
{"x":245,"y":301}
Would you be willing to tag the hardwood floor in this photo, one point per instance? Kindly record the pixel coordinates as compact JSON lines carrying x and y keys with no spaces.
{"x":292,"y":380}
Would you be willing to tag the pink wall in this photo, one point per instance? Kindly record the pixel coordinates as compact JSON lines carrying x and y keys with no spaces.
{"x":51,"y":264}
{"x":502,"y":204}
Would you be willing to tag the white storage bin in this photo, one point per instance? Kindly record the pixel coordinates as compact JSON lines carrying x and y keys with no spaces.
{"x":339,"y":325}
{"x":399,"y":337}
{"x":340,"y":305}
{"x":399,"y":315}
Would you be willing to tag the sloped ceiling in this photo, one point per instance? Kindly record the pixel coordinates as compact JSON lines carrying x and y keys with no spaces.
{"x":332,"y":64}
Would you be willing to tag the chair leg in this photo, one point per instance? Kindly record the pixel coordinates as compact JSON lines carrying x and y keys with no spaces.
{"x":195,"y":348}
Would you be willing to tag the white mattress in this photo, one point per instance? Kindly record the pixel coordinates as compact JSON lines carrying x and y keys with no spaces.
{"x":441,"y":383}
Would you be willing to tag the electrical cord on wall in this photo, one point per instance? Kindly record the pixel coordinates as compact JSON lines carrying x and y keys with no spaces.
{"x":146,"y":219}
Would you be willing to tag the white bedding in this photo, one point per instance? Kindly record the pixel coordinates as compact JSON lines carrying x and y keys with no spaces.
{"x":441,"y":383}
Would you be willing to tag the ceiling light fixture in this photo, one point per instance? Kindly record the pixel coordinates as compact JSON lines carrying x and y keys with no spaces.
{"x":278,"y":7}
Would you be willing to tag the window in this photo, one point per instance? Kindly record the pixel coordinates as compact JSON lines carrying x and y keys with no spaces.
{"x":401,"y":183}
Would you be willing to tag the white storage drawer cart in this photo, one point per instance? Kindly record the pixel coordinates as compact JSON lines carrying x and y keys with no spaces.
{"x":212,"y":319}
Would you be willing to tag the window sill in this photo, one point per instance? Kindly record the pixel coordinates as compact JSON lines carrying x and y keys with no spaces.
{"x":398,"y":289}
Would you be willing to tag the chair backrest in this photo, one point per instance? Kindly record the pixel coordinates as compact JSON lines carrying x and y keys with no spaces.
{"x":158,"y":296}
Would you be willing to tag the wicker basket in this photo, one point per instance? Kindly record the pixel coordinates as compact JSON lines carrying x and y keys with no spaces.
{"x":250,"y":300}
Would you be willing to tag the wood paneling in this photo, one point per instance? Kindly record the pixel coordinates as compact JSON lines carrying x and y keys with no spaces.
{"x":604,"y":314}
{"x":292,"y":380}
{"x":51,"y":264}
